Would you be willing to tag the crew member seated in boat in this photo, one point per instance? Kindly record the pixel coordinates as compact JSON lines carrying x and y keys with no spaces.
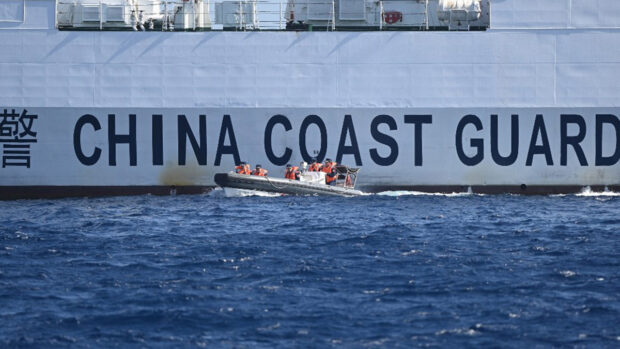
{"x":315,"y":166}
{"x":259,"y":171}
{"x":330,"y":178}
{"x":292,"y":172}
{"x":328,"y":162}
{"x":240,"y":168}
{"x":243,"y":168}
{"x":329,"y":167}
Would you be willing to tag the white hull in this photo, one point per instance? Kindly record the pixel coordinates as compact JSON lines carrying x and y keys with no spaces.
{"x":384,"y":85}
{"x":389,"y":158}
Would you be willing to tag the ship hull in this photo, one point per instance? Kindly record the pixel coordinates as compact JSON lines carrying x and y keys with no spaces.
{"x":99,"y":151}
{"x":57,"y":192}
{"x":524,"y":109}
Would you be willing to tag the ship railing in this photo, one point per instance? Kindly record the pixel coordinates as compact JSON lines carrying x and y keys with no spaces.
{"x":169,"y":15}
{"x":359,"y":14}
{"x":329,"y":15}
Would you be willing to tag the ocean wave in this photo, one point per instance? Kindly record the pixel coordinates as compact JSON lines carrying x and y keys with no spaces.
{"x":587,"y":191}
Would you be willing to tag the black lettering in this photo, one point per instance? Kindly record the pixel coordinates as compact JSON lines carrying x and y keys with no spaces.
{"x":232,"y":149}
{"x":514,"y":141}
{"x":185,"y":132}
{"x":565,"y":140}
{"x":347,"y":127}
{"x":309,"y":120}
{"x":115,"y":139}
{"x":539,"y":128}
{"x":157,"y":140}
{"x":77,"y":140}
{"x":611,"y":120}
{"x":477,"y":143}
{"x":418,"y":121}
{"x":383,"y":139}
{"x":288,"y":152}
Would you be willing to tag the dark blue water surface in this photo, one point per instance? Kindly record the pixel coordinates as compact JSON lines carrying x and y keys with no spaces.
{"x":386,"y":271}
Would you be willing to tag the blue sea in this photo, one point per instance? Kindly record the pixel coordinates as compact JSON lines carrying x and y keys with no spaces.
{"x":397,"y":270}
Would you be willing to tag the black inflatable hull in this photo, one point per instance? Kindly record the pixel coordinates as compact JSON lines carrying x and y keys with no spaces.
{"x":280,"y":185}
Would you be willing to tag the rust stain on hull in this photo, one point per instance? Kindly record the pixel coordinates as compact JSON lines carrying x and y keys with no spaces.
{"x":184,"y":175}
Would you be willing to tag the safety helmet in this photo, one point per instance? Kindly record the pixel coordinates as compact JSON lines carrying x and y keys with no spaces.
{"x":288,"y":165}
{"x":259,"y":166}
{"x":328,"y":160}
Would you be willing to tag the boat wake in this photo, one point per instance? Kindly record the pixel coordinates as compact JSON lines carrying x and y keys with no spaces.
{"x":397,"y":193}
{"x":239,"y":193}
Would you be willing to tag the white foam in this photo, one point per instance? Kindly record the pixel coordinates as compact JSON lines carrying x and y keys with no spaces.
{"x":239,"y":193}
{"x":460,"y":331}
{"x":420,"y":193}
{"x":568,"y":273}
{"x":217,"y":192}
{"x":587,"y":191}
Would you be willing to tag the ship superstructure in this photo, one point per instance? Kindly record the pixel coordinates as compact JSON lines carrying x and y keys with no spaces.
{"x":115,"y":97}
{"x":306,"y":15}
{"x":388,"y":14}
{"x":132,"y":15}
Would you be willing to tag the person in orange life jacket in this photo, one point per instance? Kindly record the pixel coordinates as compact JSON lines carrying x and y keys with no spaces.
{"x":329,"y":167}
{"x":292,"y":172}
{"x":241,"y":168}
{"x":259,"y":171}
{"x":315,"y":166}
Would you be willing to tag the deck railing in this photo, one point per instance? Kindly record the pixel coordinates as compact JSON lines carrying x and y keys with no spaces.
{"x":190,"y":15}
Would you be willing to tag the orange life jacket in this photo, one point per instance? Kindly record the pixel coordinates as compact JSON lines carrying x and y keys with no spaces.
{"x":328,"y":168}
{"x":291,"y":172}
{"x":260,"y":172}
{"x":243,"y":169}
{"x":330,"y":172}
{"x":330,"y":177}
{"x":315,"y":167}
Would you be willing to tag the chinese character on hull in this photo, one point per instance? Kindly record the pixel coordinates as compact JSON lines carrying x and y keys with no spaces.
{"x":16,"y":135}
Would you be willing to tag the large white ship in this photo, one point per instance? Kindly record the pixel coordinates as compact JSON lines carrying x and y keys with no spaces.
{"x":101,"y":97}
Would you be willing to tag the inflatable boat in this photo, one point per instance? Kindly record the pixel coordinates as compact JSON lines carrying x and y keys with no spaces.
{"x":309,"y":183}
